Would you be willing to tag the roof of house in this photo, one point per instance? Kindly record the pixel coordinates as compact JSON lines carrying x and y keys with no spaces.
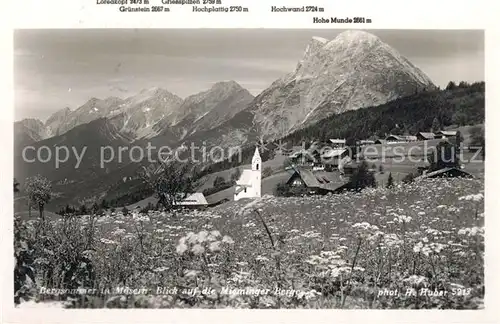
{"x":402,"y":137}
{"x":394,"y":136}
{"x":331,"y":153}
{"x":337,"y":141}
{"x":427,"y":135}
{"x":246,"y":178}
{"x":367,"y":141}
{"x":194,"y":199}
{"x":322,"y":179}
{"x":442,"y":171}
{"x":448,"y":133}
{"x":381,"y":141}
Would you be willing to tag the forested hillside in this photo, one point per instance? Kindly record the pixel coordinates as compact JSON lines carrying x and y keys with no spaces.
{"x":458,"y":105}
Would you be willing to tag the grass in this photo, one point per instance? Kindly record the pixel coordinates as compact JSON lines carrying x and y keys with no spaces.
{"x":336,"y":251}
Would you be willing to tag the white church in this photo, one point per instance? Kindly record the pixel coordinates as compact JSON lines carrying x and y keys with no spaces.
{"x":249,"y":183}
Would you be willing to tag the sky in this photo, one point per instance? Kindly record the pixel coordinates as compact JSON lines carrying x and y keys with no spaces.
{"x":61,"y":68}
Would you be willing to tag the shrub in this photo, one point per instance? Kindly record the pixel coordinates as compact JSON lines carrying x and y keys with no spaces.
{"x":235,"y":175}
{"x":219,"y":181}
{"x":408,"y":178}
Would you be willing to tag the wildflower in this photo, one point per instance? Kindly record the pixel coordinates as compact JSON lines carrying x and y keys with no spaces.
{"x":418,"y":247}
{"x":181,"y":248}
{"x":215,"y":246}
{"x":227,"y":239}
{"x":191,"y":273}
{"x":118,"y":232}
{"x":475,"y":198}
{"x":314,"y":260}
{"x":202,"y":236}
{"x":261,"y":258}
{"x":437,"y":247}
{"x":198,"y":249}
{"x":191,"y":237}
{"x":106,"y":241}
{"x":311,"y":294}
{"x":472,"y":231}
{"x":392,"y":240}
{"x":214,"y":235}
{"x":415,"y":280}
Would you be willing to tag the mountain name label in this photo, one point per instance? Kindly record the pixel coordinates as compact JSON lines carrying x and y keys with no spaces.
{"x":347,"y":20}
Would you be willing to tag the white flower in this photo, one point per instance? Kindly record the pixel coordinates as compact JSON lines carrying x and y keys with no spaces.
{"x":215,"y":246}
{"x":198,"y":249}
{"x":475,"y":198}
{"x":202,"y":236}
{"x":191,"y":273}
{"x":472,"y":231}
{"x":418,"y":247}
{"x":181,"y":248}
{"x":119,"y":231}
{"x":106,"y":241}
{"x":191,"y":237}
{"x":227,"y":239}
{"x":214,"y":235}
{"x":415,"y":280}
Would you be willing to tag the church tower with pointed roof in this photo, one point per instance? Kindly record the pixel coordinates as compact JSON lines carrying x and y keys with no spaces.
{"x":250,"y":182}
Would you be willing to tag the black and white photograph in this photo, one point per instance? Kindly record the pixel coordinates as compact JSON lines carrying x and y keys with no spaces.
{"x":249,"y":168}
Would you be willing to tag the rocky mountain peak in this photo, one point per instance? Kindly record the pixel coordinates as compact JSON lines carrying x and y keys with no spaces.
{"x":354,"y":37}
{"x":356,"y":69}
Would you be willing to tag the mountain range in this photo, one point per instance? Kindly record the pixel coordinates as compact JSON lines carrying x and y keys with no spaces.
{"x":356,"y":69}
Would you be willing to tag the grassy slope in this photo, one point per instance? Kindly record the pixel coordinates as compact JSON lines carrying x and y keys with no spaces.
{"x":309,"y":227}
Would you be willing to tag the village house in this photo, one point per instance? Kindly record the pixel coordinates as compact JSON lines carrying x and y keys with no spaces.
{"x":318,"y":182}
{"x":446,"y":134}
{"x":333,"y":158}
{"x":400,"y":139}
{"x":337,"y":143}
{"x":445,"y":173}
{"x":321,"y":156}
{"x":425,"y":136}
{"x":304,"y":157}
{"x":193,"y":201}
{"x":250,"y":182}
{"x":365,"y":142}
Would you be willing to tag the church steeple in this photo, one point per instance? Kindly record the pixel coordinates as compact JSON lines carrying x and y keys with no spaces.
{"x":256,"y":161}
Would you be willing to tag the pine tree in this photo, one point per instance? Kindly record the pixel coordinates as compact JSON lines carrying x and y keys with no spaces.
{"x":390,"y":181}
{"x":362,"y":177}
{"x":436,"y":125}
{"x":451,"y":85}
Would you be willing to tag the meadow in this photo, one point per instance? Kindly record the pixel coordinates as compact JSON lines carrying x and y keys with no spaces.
{"x":417,"y":245}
